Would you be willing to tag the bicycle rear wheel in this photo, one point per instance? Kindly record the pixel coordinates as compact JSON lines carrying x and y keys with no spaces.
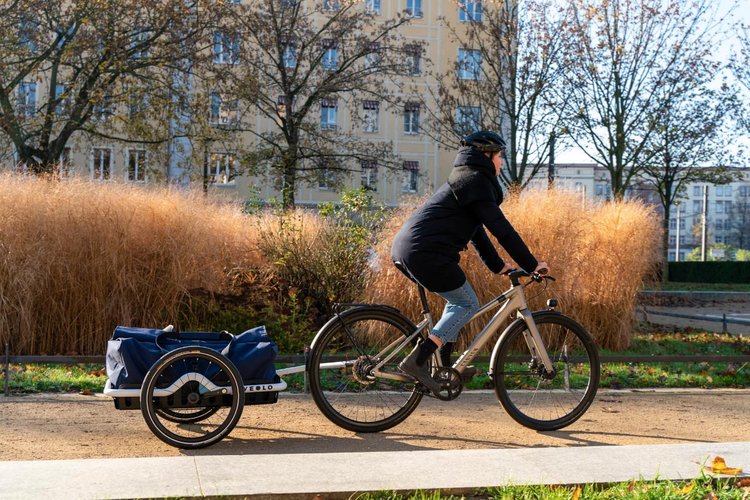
{"x":341,"y":364}
{"x":537,"y":400}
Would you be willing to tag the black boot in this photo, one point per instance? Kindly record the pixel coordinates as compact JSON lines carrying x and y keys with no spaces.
{"x":416,"y":365}
{"x":445,"y":353}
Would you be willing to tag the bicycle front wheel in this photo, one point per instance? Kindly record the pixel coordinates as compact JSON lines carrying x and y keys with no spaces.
{"x":540,"y":400}
{"x":345,"y":382}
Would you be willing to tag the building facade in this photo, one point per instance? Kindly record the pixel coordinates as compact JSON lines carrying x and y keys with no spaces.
{"x":424,"y":165}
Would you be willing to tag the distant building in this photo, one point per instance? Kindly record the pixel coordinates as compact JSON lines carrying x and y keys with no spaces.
{"x":728,"y":214}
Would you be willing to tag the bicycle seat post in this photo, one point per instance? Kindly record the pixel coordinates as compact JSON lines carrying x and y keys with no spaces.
{"x":423,"y":299}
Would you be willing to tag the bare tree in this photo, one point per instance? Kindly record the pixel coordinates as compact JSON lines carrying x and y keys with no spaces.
{"x":629,"y":60}
{"x":689,"y":143}
{"x":504,"y":79}
{"x":740,"y":65}
{"x":301,"y":64}
{"x":67,"y":66}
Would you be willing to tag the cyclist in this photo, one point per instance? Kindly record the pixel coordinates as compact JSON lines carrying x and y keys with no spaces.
{"x":429,"y":243}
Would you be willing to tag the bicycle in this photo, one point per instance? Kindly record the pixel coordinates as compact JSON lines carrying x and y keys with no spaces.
{"x":544,"y":366}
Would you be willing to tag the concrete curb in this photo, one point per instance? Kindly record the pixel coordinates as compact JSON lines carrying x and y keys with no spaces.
{"x":341,"y":474}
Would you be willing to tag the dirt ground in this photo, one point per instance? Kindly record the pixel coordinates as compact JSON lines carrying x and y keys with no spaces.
{"x":74,"y":426}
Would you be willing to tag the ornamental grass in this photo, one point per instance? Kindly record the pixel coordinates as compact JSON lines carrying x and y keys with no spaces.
{"x":78,"y":258}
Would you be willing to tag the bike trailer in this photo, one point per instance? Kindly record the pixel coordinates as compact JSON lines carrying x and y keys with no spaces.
{"x":132,"y":351}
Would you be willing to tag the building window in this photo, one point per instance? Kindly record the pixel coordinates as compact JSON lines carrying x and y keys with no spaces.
{"x":697,"y":207}
{"x":697,"y":190}
{"x":26,"y":103}
{"x":137,"y":102}
{"x":672,"y":224}
{"x":672,"y":239}
{"x":139,"y":45}
{"x":414,"y":8}
{"x":282,"y":108}
{"x":743,"y":191}
{"x":470,"y":11}
{"x":101,"y":164}
{"x":28,"y":31}
{"x":137,"y":165}
{"x":370,"y":175}
{"x":411,"y":118}
{"x":328,"y":114}
{"x":468,"y":119}
{"x":728,"y":225}
{"x":413,"y":59}
{"x":102,"y":110}
{"x":723,"y":207}
{"x":226,"y":48}
{"x":469,"y":64}
{"x":374,"y":56}
{"x":410,"y":176}
{"x":373,"y":6}
{"x":223,"y":111}
{"x":290,"y":56}
{"x":326,"y":177}
{"x":330,"y":60}
{"x":63,"y":100}
{"x":671,"y":256}
{"x":331,"y":5}
{"x":371,"y":113}
{"x":222,"y":169}
{"x":63,"y":165}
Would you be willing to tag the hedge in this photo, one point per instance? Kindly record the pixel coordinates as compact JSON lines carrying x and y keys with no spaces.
{"x":710,"y":272}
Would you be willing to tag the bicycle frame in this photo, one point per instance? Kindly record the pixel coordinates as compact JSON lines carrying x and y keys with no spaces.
{"x":509,"y":301}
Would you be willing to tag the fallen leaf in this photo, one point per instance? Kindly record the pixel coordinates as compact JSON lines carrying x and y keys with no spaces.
{"x":744,"y":482}
{"x":86,"y":392}
{"x":719,"y":466}
{"x":686,"y":489}
{"x":576,"y":493}
{"x":710,"y":496}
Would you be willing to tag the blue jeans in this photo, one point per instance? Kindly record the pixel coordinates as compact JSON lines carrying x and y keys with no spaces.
{"x":461,"y":306}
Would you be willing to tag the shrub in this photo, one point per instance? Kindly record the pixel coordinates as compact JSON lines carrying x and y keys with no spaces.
{"x":323,"y":257}
{"x":78,"y":258}
{"x":599,"y":254}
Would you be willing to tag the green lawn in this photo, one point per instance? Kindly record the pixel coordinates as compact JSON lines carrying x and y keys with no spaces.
{"x":704,"y":488}
{"x":91,"y":377}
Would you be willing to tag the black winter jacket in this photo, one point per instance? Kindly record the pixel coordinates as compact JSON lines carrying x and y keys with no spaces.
{"x":431,"y":239}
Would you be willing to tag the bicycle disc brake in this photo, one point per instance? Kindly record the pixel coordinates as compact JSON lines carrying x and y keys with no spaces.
{"x":451,"y":383}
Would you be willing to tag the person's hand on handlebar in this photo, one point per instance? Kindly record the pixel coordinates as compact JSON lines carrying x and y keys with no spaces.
{"x":542,"y":268}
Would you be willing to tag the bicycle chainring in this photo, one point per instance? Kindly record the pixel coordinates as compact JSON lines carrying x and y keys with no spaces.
{"x":451,"y":381}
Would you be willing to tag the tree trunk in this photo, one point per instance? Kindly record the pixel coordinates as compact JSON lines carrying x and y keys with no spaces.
{"x":287,"y":188}
{"x":665,"y":242}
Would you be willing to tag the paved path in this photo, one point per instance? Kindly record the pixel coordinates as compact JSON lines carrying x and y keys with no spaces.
{"x":290,"y":449}
{"x":341,"y":474}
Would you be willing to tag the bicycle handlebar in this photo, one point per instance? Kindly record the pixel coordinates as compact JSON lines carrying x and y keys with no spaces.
{"x":538,"y":277}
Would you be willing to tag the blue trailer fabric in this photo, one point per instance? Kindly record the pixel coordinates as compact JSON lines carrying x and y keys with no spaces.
{"x":133,"y":351}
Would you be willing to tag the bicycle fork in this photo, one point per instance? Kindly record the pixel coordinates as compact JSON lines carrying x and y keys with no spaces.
{"x":534,"y":341}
